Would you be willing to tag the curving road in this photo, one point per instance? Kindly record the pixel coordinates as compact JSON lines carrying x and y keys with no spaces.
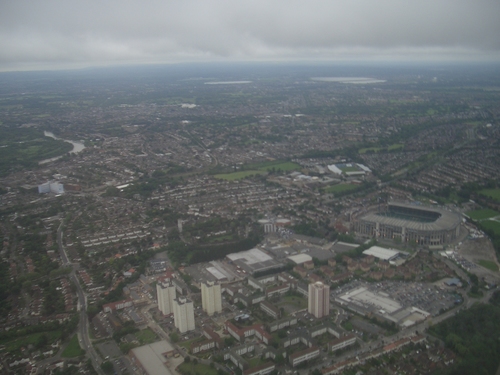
{"x":83,"y":328}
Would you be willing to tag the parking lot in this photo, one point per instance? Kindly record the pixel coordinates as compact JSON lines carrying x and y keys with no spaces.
{"x":424,"y":296}
{"x":109,"y":350}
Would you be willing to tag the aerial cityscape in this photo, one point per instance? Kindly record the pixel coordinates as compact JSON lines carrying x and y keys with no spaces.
{"x":250,"y":219}
{"x":265,"y":187}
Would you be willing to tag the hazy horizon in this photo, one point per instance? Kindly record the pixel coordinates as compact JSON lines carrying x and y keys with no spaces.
{"x":73,"y":34}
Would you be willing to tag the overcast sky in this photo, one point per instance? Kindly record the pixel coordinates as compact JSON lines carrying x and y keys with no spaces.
{"x":41,"y":34}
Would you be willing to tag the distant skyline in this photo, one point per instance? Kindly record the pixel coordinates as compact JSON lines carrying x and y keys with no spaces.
{"x":56,"y":34}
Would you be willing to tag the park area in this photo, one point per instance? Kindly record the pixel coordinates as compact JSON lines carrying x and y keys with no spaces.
{"x":239,"y":175}
{"x":73,"y":348}
{"x":195,"y":368}
{"x":482,"y":214}
{"x":491,"y":225}
{"x":292,"y":303}
{"x":393,"y":147}
{"x":340,"y":188}
{"x":492,"y":193}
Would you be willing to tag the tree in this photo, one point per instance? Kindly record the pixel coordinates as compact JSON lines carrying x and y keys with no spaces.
{"x":41,"y":341}
{"x":107,"y":367}
{"x":174,"y":337}
{"x":279,"y":359}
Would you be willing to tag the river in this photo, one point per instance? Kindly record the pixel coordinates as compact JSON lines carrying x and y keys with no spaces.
{"x":77,"y":147}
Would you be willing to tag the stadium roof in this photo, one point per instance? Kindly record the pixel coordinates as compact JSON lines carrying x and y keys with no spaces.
{"x":448,"y":220}
{"x":381,"y":253}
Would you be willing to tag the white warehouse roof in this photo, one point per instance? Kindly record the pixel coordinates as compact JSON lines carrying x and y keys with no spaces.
{"x":151,"y":357}
{"x":333,"y":168}
{"x":381,"y":253}
{"x":300,"y":258}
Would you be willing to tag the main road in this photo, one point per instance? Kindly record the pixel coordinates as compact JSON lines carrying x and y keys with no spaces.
{"x":83,"y":328}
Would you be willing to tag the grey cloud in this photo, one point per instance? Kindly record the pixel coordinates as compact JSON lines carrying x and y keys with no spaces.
{"x":94,"y":32}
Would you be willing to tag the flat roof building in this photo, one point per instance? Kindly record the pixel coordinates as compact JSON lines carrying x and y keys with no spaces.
{"x":381,"y":253}
{"x":304,"y":355}
{"x":300,"y":258}
{"x":152,"y":358}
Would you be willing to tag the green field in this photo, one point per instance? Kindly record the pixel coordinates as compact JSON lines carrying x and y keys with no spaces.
{"x":492,"y":193}
{"x":395,"y":146}
{"x":482,"y":214}
{"x":297,"y":301}
{"x":223,"y":238}
{"x":349,"y":169}
{"x":276,"y":164}
{"x":256,"y":361}
{"x":192,"y":369}
{"x":340,"y":188}
{"x":488,"y":264}
{"x":492,"y":225}
{"x":283,"y":166}
{"x":239,"y":175}
{"x":73,"y":349}
{"x":146,"y":336}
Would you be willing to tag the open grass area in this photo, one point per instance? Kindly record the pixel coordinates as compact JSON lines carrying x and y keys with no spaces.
{"x":13,"y":345}
{"x":492,"y":193}
{"x":370,"y":149}
{"x":276,"y":164}
{"x":283,"y":166}
{"x":192,"y":369}
{"x":482,"y":214}
{"x":224,"y":238}
{"x":488,"y":264}
{"x":340,"y":188}
{"x":492,"y":225}
{"x":73,"y":349}
{"x":255,"y":361}
{"x":299,"y":302}
{"x":350,"y":169}
{"x":239,"y":175}
{"x":146,"y":336}
{"x":187,"y":344}
{"x":395,"y":146}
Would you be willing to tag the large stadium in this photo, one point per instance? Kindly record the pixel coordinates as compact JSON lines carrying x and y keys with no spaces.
{"x":428,"y":226}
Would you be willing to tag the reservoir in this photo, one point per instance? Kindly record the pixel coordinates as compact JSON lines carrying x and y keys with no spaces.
{"x":227,"y":82}
{"x":350,"y":80}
